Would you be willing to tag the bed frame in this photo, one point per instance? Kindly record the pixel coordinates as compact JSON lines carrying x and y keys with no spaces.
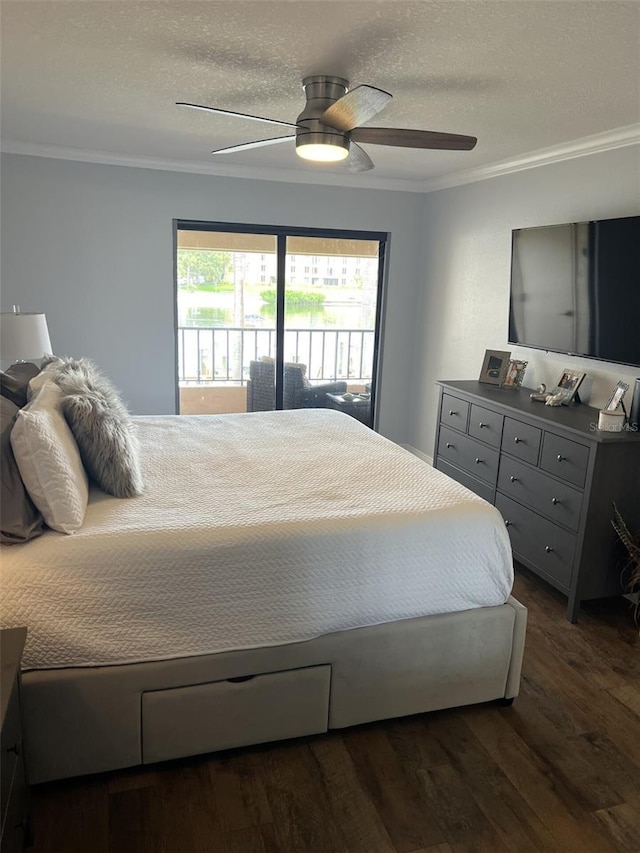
{"x":88,"y":720}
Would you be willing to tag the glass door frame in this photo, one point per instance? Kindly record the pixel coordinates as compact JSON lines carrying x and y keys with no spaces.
{"x":281,"y":232}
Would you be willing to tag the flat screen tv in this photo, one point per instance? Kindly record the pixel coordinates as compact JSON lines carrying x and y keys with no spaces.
{"x":575,"y":289}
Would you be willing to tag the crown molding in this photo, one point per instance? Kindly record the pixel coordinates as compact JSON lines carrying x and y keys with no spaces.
{"x":621,"y":137}
{"x":608,"y":141}
{"x":254,"y":173}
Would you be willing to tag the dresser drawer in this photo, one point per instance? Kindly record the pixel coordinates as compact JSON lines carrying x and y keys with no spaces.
{"x":484,"y":490}
{"x":11,"y":745}
{"x":455,"y":412}
{"x":529,"y":486}
{"x":564,"y":458}
{"x":521,"y":440}
{"x":467,"y":453}
{"x":14,"y":829}
{"x":485,"y":425}
{"x":539,"y":542}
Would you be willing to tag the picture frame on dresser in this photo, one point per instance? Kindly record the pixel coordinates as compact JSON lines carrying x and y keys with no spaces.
{"x":568,"y":384}
{"x":617,"y":395}
{"x":515,"y":374}
{"x":494,"y":366}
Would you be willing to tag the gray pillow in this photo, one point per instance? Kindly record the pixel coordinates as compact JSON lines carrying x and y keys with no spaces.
{"x":102,"y":428}
{"x":19,"y":519}
{"x":14,"y":382}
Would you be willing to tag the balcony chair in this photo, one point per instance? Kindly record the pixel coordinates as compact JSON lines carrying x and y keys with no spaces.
{"x":299,"y":393}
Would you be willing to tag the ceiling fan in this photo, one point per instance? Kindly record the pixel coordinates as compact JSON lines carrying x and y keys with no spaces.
{"x":329,"y":128}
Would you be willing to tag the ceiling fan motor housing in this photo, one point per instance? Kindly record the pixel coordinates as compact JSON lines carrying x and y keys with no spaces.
{"x":321,"y":92}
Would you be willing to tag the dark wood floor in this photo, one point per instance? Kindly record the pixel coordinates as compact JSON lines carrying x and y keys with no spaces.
{"x":559,"y":770}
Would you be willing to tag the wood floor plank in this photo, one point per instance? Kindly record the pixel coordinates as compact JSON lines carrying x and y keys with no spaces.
{"x":239,"y":791}
{"x":393,"y":789}
{"x":517,"y":825}
{"x":68,"y":817}
{"x":623,"y":824}
{"x":464,"y":824}
{"x":629,"y":695}
{"x":571,"y":759}
{"x":135,"y":822}
{"x":547,"y":795}
{"x":353,"y":810}
{"x":438,"y":848}
{"x":301,"y":813}
{"x":248,"y":840}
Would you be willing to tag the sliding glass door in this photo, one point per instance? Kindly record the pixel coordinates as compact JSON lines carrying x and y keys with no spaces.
{"x":272,"y":318}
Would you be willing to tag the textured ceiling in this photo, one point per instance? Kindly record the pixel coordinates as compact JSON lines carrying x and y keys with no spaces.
{"x":521,"y":76}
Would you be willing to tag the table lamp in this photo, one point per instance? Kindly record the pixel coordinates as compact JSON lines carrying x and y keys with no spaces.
{"x":23,"y":337}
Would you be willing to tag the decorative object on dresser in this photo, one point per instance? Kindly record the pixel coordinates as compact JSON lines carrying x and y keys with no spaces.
{"x":552,"y":475}
{"x":567,"y":388}
{"x":515,"y":374}
{"x":494,"y":366}
{"x":634,"y":414}
{"x":16,"y":817}
{"x":631,"y":572}
{"x":616,"y":398}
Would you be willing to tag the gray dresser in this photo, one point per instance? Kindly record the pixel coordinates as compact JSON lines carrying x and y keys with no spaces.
{"x":553,"y":477}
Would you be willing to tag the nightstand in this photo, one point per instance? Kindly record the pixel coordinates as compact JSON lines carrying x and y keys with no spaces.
{"x":14,"y":792}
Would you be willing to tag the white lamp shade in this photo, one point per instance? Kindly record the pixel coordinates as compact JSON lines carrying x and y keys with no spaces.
{"x":23,"y":337}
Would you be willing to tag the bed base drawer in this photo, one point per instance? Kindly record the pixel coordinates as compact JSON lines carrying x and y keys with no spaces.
{"x":224,"y":714}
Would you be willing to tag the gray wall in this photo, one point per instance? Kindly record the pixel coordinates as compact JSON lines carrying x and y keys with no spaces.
{"x":91,"y":246}
{"x":463,"y":308}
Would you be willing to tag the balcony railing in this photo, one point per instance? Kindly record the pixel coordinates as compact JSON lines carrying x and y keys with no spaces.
{"x":210,"y":354}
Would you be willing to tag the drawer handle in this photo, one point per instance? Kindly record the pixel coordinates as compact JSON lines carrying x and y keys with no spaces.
{"x":482,"y":425}
{"x":507,"y":524}
{"x":452,"y":413}
{"x":449,"y":445}
{"x":548,"y":549}
{"x":478,"y":460}
{"x":560,"y":457}
{"x":517,"y":440}
{"x":555,"y":501}
{"x":513,"y":479}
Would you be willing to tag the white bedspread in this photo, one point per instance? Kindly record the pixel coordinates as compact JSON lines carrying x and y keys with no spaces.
{"x":255,"y":530}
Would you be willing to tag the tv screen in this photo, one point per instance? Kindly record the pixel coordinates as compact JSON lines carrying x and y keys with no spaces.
{"x":575,"y":288}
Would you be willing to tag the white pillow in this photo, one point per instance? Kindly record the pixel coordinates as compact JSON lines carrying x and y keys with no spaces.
{"x":47,"y":373}
{"x":49,"y":460}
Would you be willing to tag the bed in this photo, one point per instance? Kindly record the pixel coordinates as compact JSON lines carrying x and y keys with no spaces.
{"x":284,"y":573}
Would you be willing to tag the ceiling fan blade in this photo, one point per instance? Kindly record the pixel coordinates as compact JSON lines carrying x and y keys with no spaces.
{"x":356,"y":107}
{"x":413,"y":138}
{"x":246,"y":146}
{"x":358,"y":159}
{"x":234,"y":114}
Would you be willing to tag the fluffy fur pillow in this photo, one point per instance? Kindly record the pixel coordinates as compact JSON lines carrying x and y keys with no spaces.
{"x":101,"y":426}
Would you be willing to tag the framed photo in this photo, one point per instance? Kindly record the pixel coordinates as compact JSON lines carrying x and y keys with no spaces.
{"x":515,"y":374}
{"x":568,"y":385}
{"x":494,"y":366}
{"x":616,"y":398}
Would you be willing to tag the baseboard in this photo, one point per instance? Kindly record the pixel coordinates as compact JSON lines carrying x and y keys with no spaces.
{"x":419,"y":454}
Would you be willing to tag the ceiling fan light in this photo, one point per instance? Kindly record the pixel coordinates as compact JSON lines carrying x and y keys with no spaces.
{"x":320,"y":152}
